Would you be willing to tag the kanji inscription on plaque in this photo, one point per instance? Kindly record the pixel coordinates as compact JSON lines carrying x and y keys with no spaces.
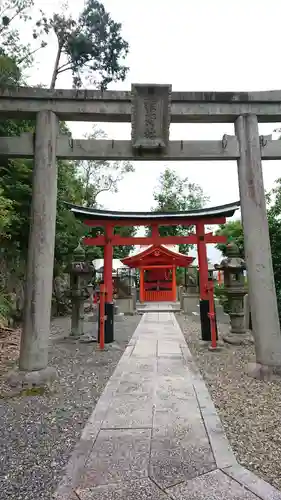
{"x":151,"y":110}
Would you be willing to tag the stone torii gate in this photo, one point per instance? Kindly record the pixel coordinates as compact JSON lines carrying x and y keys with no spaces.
{"x":150,"y":109}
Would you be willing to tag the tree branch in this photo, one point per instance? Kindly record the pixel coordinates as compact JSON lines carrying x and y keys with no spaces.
{"x":29,"y":54}
{"x":59,"y":71}
{"x":63,"y":65}
{"x":12,"y":18}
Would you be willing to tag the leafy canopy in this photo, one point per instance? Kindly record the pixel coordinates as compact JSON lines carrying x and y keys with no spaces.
{"x":176,"y":194}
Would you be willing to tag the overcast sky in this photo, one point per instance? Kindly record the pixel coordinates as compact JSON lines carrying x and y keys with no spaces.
{"x":194,"y":45}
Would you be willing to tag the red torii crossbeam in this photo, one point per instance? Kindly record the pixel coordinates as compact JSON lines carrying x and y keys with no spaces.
{"x":117,"y":240}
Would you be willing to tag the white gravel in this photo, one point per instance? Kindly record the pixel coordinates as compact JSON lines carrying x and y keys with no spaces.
{"x":250,"y":409}
{"x":38,"y":432}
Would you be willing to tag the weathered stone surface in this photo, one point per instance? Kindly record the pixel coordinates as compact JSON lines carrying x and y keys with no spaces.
{"x":118,"y":455}
{"x":36,"y":378}
{"x":168,"y":348}
{"x":143,"y":489}
{"x":179,"y":455}
{"x":174,"y":387}
{"x":263,"y":490}
{"x":151,"y":108}
{"x":39,"y":276}
{"x":129,"y":411}
{"x":171,"y":368}
{"x":180,"y":448}
{"x":136,"y":384}
{"x":145,"y":348}
{"x":115,"y":106}
{"x":262,"y":294}
{"x":214,"y":486}
{"x":155,"y":426}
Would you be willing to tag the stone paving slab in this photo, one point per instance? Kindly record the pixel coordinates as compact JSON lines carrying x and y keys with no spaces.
{"x":155,"y":433}
{"x":117,"y":455}
{"x":213,"y":486}
{"x":143,"y":489}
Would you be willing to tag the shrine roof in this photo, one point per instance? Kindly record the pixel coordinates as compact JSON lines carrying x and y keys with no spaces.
{"x":163,"y":251}
{"x":227,"y":210}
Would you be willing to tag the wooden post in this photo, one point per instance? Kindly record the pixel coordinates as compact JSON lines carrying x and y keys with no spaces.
{"x":102,"y":303}
{"x":154,"y":230}
{"x":203,"y":282}
{"x":265,"y":319}
{"x":174,"y":283}
{"x":141,"y":284}
{"x":202,"y":260}
{"x":39,"y":276}
{"x":107,"y":263}
{"x":107,"y":278}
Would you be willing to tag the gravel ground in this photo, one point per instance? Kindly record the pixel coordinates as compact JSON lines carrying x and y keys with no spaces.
{"x":38,"y":432}
{"x":250,"y":409}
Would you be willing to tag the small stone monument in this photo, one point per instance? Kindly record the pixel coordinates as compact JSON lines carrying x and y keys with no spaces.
{"x":233,"y":267}
{"x":81,"y":273}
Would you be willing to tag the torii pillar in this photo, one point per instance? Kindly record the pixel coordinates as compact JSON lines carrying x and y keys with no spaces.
{"x":262,"y":294}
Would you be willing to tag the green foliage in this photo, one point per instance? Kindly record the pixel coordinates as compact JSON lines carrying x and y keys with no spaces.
{"x":123,"y":251}
{"x":5,"y":215}
{"x":9,"y":72}
{"x":176,"y":194}
{"x":91,"y":46}
{"x":16,"y":186}
{"x":5,"y":308}
{"x":233,"y":230}
{"x":15,"y":15}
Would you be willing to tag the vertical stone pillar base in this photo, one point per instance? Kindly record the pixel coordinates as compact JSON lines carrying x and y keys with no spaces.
{"x":238,"y":338}
{"x":37,"y":378}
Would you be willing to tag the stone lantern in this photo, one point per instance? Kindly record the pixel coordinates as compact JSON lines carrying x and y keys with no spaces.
{"x":90,"y":257}
{"x":233,"y":267}
{"x":81,"y":273}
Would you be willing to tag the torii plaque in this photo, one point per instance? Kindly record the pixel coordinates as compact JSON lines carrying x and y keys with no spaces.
{"x":151,"y":111}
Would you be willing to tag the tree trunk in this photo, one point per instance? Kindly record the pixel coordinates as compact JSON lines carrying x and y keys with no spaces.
{"x":56,"y":67}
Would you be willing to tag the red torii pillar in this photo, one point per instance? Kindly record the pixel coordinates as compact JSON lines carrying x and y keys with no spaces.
{"x":141,"y":298}
{"x":203,"y":282}
{"x":107,"y":278}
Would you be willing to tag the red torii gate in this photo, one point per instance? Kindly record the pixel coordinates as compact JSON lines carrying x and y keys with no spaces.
{"x":108,"y":220}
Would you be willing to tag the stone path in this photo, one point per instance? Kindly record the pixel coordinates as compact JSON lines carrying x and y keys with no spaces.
{"x":145,"y":307}
{"x":155,"y":433}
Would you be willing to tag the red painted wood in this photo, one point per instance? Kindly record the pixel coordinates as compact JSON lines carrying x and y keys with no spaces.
{"x":202,"y":261}
{"x":164,"y":222}
{"x":141,"y":285}
{"x":151,"y":240}
{"x":158,"y":296}
{"x":174,"y":284}
{"x":156,"y":266}
{"x":107,"y":269}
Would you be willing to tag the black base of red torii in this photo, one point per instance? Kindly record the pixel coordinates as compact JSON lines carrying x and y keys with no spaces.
{"x":108,"y":220}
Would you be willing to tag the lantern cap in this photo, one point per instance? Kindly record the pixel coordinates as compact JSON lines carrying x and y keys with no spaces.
{"x":79,"y":253}
{"x":232,"y":250}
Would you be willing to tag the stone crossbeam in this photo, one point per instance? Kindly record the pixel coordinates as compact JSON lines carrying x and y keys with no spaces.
{"x":91,"y":149}
{"x":116,"y":106}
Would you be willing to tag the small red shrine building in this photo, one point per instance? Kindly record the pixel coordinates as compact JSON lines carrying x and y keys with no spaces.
{"x":157,"y":265}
